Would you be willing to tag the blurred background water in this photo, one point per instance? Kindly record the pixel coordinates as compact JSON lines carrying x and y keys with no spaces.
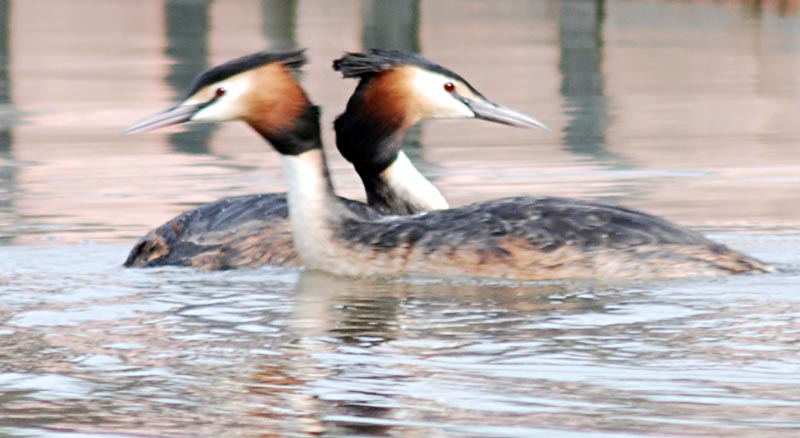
{"x":685,"y":109}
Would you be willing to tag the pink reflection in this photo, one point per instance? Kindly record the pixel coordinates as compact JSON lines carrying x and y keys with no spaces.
{"x":702,"y":119}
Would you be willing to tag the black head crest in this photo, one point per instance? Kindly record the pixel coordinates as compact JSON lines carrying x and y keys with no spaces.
{"x":355,"y":65}
{"x":292,"y":59}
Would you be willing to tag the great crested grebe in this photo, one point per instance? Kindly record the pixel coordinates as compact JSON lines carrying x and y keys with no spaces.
{"x":521,"y":238}
{"x":253,"y":230}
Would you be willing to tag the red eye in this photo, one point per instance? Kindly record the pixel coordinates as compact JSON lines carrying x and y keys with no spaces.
{"x":449,"y":87}
{"x":219,"y":93}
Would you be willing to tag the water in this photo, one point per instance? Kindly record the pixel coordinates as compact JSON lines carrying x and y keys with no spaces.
{"x":684,"y":109}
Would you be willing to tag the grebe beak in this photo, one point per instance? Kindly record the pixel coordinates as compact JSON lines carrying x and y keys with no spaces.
{"x":172,"y":116}
{"x":493,"y":112}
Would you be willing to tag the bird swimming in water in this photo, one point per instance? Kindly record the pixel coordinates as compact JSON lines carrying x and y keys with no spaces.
{"x":521,"y":238}
{"x":253,"y":230}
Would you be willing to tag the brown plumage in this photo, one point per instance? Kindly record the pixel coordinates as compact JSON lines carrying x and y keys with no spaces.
{"x":248,"y":231}
{"x":225,"y":234}
{"x":274,"y":111}
{"x":387,"y":99}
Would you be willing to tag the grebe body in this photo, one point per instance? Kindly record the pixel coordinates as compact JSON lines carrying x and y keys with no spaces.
{"x":522,"y":238}
{"x":528,"y":238}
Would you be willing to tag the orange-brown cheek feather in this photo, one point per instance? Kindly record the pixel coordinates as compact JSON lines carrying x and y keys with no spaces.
{"x":277,"y":101}
{"x":388,"y":99}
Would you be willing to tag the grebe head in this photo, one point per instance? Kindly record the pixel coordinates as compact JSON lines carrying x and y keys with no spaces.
{"x":258,"y":89}
{"x":395,"y":91}
{"x":406,"y":88}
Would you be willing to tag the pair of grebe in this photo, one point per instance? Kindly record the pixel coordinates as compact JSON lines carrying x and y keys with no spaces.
{"x":407,"y":227}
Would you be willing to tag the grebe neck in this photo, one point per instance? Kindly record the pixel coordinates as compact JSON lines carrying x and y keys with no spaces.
{"x":372,"y":142}
{"x":296,"y":137}
{"x":314,"y":209}
{"x":401,"y":189}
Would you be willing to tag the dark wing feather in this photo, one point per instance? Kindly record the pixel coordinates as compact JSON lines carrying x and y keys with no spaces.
{"x":548,"y":223}
{"x":541,"y":238}
{"x":239,"y":231}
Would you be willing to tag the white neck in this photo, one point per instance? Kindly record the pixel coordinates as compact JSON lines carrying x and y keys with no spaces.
{"x":313,"y":207}
{"x":407,"y":183}
{"x":315,"y":211}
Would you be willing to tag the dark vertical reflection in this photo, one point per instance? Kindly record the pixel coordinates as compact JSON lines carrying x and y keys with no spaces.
{"x":394,"y":24}
{"x":580,"y":41}
{"x":783,"y":8}
{"x":187,"y":48}
{"x":756,"y":8}
{"x":390,"y":24}
{"x":279,"y":23}
{"x":7,"y":171}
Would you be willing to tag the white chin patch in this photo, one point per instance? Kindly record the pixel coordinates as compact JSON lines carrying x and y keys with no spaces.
{"x":436,"y":102}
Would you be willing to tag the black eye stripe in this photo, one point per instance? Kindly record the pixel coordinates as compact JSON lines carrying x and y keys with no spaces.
{"x":218,"y":93}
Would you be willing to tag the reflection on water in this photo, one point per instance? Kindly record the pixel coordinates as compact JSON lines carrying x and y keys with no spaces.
{"x":685,"y":109}
{"x":580,"y":40}
{"x":7,"y":171}
{"x":388,"y":24}
{"x":648,"y":101}
{"x":187,"y":49}
{"x":172,"y":352}
{"x":279,"y":23}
